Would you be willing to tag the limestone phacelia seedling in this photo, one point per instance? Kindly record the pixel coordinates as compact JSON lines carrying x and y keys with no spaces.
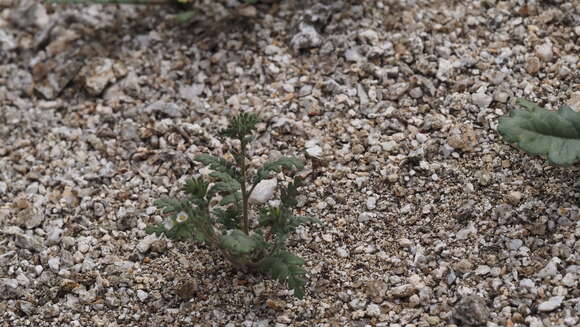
{"x":250,"y":244}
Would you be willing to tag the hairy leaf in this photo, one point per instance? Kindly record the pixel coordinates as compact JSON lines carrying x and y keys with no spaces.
{"x":539,"y":131}
{"x":289,"y":193}
{"x":218,"y":164}
{"x":235,"y":198}
{"x":276,"y":166}
{"x":196,"y":187}
{"x":169,"y":205}
{"x":241,"y":126}
{"x":179,"y":231}
{"x":286,"y":268}
{"x":230,"y":217}
{"x":237,"y":242}
{"x":226,"y":183}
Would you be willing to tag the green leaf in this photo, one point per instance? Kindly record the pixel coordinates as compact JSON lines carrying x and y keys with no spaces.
{"x":276,"y":166}
{"x":226,"y":183}
{"x":237,"y":242}
{"x":196,"y":187}
{"x":231,"y":198}
{"x":230,"y":217}
{"x":169,"y":205}
{"x":286,"y":268}
{"x":179,"y":231}
{"x":241,"y":126}
{"x":539,"y":131}
{"x":288,"y":194}
{"x":219,"y":165}
{"x":186,"y":16}
{"x":296,"y":221}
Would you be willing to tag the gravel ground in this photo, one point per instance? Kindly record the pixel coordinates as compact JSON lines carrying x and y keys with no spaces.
{"x":430,"y":218}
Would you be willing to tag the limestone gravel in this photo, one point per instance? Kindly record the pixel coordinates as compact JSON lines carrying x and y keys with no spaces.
{"x":430,"y":219}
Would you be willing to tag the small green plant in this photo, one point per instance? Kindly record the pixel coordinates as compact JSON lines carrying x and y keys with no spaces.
{"x":539,"y":131}
{"x":257,"y":244}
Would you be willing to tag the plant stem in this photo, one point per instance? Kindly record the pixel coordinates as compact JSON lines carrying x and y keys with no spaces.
{"x":245,"y":195}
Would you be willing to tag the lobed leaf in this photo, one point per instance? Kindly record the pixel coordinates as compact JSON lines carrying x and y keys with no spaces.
{"x":218,"y":164}
{"x":196,"y":187}
{"x":241,"y":126}
{"x":276,"y":166}
{"x":539,"y":131}
{"x":237,"y":242}
{"x":286,"y":268}
{"x":168,"y":205}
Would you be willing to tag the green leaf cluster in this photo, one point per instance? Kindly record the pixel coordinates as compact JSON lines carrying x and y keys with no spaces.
{"x":539,"y":131}
{"x":226,"y":225}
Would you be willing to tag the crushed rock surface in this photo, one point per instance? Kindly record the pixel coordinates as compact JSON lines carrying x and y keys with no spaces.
{"x":430,"y":219}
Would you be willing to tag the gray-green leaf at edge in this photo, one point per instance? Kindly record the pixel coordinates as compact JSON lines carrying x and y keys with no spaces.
{"x":238,"y":242}
{"x":543,"y":132}
{"x":276,"y":165}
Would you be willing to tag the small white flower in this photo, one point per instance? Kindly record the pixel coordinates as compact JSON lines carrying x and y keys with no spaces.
{"x":181,"y":217}
{"x":168,"y":224}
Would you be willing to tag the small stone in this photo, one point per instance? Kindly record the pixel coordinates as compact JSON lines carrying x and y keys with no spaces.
{"x":97,"y":74}
{"x":389,"y":146}
{"x":271,"y":50}
{"x":532,"y":65}
{"x":549,"y":270}
{"x":30,"y":218}
{"x":405,"y":243}
{"x":376,"y":289}
{"x":369,"y":36}
{"x":515,"y":244}
{"x":416,"y":93}
{"x":171,"y":110}
{"x":433,"y":320}
{"x":342,"y":252}
{"x":159,"y":246}
{"x":552,"y":304}
{"x":305,"y":90}
{"x":54,"y":264}
{"x":247,"y":11}
{"x":314,"y":151}
{"x":463,"y":266}
{"x":88,"y":264}
{"x":465,"y":232}
{"x":527,"y":283}
{"x":191,"y":92}
{"x":471,"y":311}
{"x":264,"y":191}
{"x":353,"y":55}
{"x":28,"y":242}
{"x":259,"y":289}
{"x":403,"y":291}
{"x":545,"y":52}
{"x":481,"y":100}
{"x":145,"y":244}
{"x":364,"y":217}
{"x":26,"y":307}
{"x":142,"y":295}
{"x":534,"y":322}
{"x":3,"y":188}
{"x":514,"y":197}
{"x":371,"y":203}
{"x":307,"y":37}
{"x":54,"y":235}
{"x":186,"y":290}
{"x":482,"y":270}
{"x":373,"y":310}
{"x":394,"y":92}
